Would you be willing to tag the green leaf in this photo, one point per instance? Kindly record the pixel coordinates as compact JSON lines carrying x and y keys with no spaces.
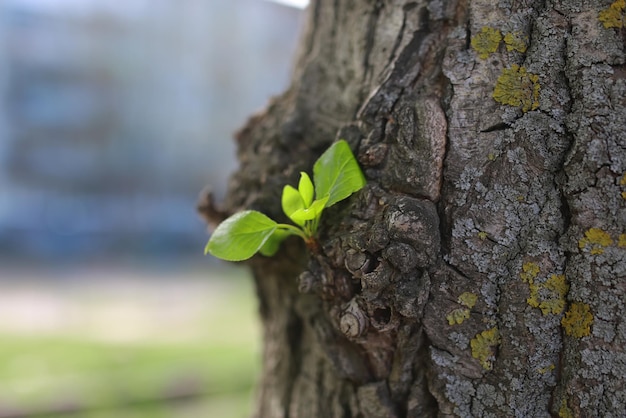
{"x":240,"y":236}
{"x":305,"y":187}
{"x":291,"y":200}
{"x":337,"y":173}
{"x":272,"y":244}
{"x":312,"y":212}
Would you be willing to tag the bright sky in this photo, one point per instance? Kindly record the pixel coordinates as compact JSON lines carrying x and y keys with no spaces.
{"x":300,"y":4}
{"x":85,"y":7}
{"x":124,"y":7}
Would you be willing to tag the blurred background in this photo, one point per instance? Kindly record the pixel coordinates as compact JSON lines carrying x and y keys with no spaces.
{"x":114,"y":115}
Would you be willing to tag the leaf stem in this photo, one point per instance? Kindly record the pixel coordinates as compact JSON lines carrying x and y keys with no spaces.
{"x":294,"y":230}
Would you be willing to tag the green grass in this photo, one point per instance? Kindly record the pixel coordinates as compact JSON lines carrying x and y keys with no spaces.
{"x":40,"y":371}
{"x":211,"y":375}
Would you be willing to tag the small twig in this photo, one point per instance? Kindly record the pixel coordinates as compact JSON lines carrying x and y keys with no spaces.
{"x":210,"y":212}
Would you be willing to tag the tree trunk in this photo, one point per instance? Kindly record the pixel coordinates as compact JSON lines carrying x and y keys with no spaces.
{"x":481,"y":271}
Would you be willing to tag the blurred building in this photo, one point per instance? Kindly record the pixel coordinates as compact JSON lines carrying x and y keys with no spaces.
{"x":115,"y":114}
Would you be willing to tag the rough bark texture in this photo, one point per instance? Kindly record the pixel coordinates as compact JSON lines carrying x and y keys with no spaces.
{"x":481,"y":272}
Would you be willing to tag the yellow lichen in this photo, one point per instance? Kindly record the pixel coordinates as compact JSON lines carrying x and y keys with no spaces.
{"x":622,"y":241}
{"x":624,"y":195}
{"x":613,"y":16}
{"x":545,"y":370}
{"x":467,"y":299}
{"x":549,"y":296}
{"x":483,"y":346}
{"x":622,"y":182}
{"x":491,"y":156}
{"x":530,"y":270}
{"x":457,"y":316}
{"x":557,"y":284}
{"x":486,"y":41}
{"x":482,"y":235}
{"x":565,"y":411}
{"x":577,"y":320}
{"x":597,"y":239}
{"x":516,"y":41}
{"x":517,"y":87}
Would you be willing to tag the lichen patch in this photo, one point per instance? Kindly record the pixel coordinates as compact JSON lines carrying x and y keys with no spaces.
{"x":530,"y":270}
{"x":483,"y":347}
{"x":549,"y":296}
{"x":457,"y":316}
{"x":517,"y":87}
{"x":545,"y":370}
{"x":577,"y":320}
{"x":596,"y":239}
{"x":516,"y":41}
{"x":486,"y":41}
{"x":613,"y":16}
{"x":565,"y":411}
{"x":467,"y":299}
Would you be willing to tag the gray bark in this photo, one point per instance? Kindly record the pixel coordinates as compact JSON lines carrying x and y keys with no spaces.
{"x":516,"y":207}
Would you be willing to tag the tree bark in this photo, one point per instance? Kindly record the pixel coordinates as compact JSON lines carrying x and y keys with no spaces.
{"x":481,"y":271}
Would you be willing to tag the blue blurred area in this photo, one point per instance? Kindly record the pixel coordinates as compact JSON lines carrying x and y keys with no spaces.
{"x":114,"y":114}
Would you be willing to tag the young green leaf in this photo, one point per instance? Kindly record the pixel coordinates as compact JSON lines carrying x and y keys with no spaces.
{"x":240,"y":236}
{"x":337,"y":173}
{"x":272,"y":244}
{"x":291,"y":200}
{"x":305,"y":187}
{"x":310,"y":213}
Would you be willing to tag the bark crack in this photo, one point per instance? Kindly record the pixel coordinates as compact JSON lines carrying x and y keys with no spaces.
{"x":501,"y":126}
{"x":399,"y":38}
{"x":315,"y":17}
{"x":564,"y":208}
{"x":370,"y":37}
